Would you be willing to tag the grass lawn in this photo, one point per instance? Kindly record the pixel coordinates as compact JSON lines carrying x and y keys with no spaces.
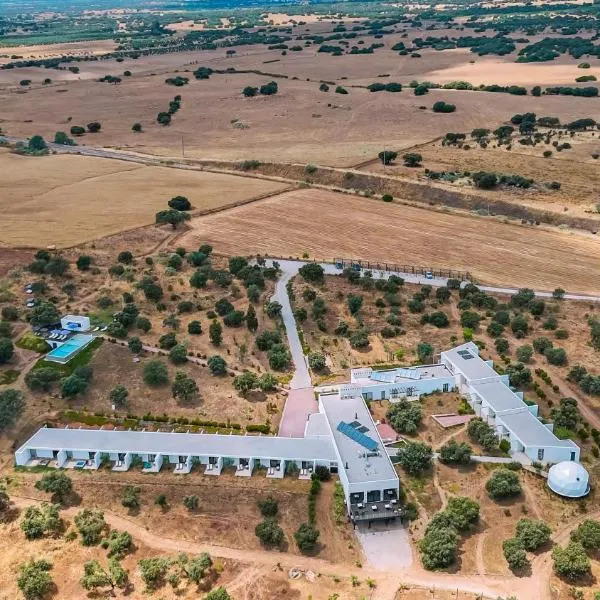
{"x":30,"y":341}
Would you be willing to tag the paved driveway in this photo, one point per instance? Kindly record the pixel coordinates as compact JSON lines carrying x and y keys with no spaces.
{"x":299,"y":404}
{"x":385,"y":546}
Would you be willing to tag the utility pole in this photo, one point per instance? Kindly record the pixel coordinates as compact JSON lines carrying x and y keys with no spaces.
{"x":182,"y":148}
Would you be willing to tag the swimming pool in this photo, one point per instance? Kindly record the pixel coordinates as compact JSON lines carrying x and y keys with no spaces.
{"x":72,"y":346}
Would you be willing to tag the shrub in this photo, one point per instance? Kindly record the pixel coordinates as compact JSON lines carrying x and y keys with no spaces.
{"x":131,"y":497}
{"x":588,"y":535}
{"x":217,"y":365}
{"x":485,"y":180}
{"x":456,"y":453}
{"x":515,"y":554}
{"x":518,"y":374}
{"x":501,"y":345}
{"x":470,"y":319}
{"x":268,"y":507}
{"x":412,"y":159}
{"x":306,"y":537}
{"x":269,"y":533}
{"x":268,"y":89}
{"x":566,"y":415}
{"x":438,"y":319}
{"x":571,"y":562}
{"x":533,"y":534}
{"x":495,"y":329}
{"x":180,"y":203}
{"x":462,"y":513}
{"x":405,"y":416}
{"x":40,"y":520}
{"x":191,"y":502}
{"x":524,"y":353}
{"x":90,"y":524}
{"x":482,"y":433}
{"x":443,"y":107}
{"x":415,"y":457}
{"x":312,"y":272}
{"x":541,"y":344}
{"x":33,"y":580}
{"x":438,"y":548}
{"x":155,"y":373}
{"x":556,"y":356}
{"x":387,"y":157}
{"x":503,"y":483}
{"x":316,"y":361}
{"x":359,"y":339}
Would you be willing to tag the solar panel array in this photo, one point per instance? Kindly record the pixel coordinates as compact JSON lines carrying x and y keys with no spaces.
{"x":384,"y":376}
{"x":409,"y":373}
{"x":360,"y":438}
{"x":465,"y":354}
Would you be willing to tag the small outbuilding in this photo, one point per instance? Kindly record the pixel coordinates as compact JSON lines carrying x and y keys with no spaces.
{"x":75,"y":323}
{"x":569,"y":479}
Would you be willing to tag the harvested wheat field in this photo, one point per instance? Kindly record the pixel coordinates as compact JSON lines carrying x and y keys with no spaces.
{"x":73,"y":199}
{"x":87,"y":48}
{"x":344,"y":225}
{"x":502,"y":72}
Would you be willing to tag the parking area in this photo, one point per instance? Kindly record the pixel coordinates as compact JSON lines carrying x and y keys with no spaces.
{"x":385,"y":546}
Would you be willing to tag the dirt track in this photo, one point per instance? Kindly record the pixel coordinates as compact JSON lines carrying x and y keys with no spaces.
{"x":387,"y":582}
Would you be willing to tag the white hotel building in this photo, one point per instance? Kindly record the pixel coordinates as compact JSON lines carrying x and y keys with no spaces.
{"x":341,"y":436}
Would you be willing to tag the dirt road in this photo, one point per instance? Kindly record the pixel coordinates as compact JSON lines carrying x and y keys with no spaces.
{"x":388,"y":582}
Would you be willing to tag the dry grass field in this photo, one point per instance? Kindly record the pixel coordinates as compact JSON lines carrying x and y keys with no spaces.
{"x":300,"y":123}
{"x":575,"y":169}
{"x":226,"y":516}
{"x":227,"y":512}
{"x":343,"y":225}
{"x":73,"y":199}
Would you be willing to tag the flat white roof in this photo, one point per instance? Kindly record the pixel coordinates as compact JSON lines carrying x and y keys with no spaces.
{"x":361,"y":469}
{"x":466,"y":358}
{"x":531,"y":431}
{"x":397,"y":375}
{"x":498,"y":395}
{"x":195,"y":444}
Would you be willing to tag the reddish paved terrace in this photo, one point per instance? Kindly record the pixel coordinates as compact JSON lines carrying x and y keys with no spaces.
{"x":299,"y":404}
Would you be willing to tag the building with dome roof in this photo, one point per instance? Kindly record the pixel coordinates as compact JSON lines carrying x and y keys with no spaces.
{"x":569,"y":479}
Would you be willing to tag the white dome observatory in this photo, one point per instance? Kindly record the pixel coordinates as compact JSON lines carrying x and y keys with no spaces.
{"x":569,"y":479}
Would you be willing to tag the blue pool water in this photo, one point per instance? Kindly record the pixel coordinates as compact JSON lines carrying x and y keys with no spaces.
{"x":69,"y":348}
